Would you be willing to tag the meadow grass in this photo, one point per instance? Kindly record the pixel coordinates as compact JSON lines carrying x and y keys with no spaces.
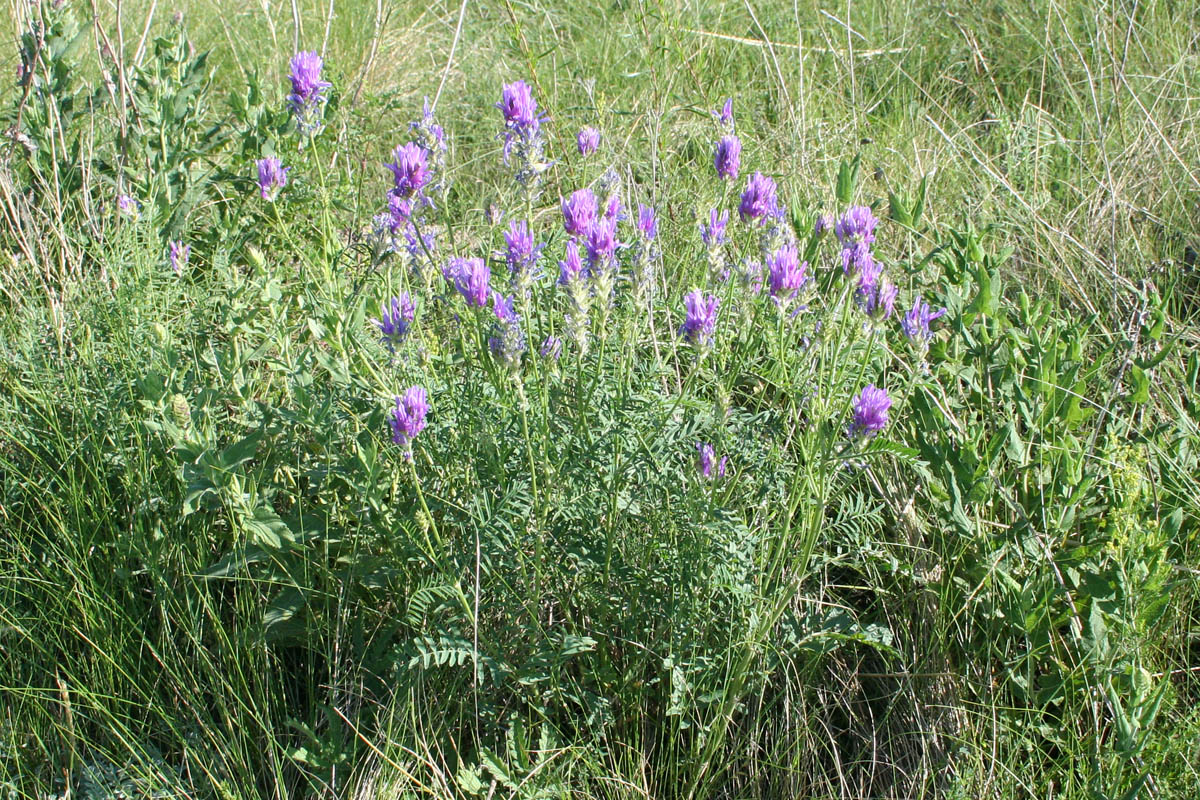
{"x":219,"y":578}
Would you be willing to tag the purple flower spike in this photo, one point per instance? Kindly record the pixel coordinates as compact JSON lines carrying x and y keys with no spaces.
{"x":870,"y":412}
{"x":724,"y":117}
{"x":714,"y":234}
{"x":520,"y":251}
{"x":588,"y":141}
{"x":785,"y":274}
{"x":306,"y":99}
{"x":408,"y":417}
{"x":701,"y":319}
{"x":857,"y":225}
{"x":410,"y":168}
{"x":396,"y":320}
{"x":915,"y":324}
{"x":879,"y":298}
{"x":824,"y":224}
{"x":727,"y":158}
{"x":708,"y":459}
{"x":579,"y":213}
{"x":471,"y":281}
{"x":518,"y":107}
{"x":127,"y":206}
{"x":647,"y":222}
{"x":178,"y":254}
{"x":612,"y":210}
{"x":551,"y":348}
{"x":572,"y":267}
{"x":272,"y":176}
{"x":602,"y":244}
{"x":759,"y":200}
{"x":857,"y":259}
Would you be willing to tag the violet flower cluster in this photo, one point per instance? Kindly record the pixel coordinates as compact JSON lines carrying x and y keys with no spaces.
{"x":870,"y":413}
{"x":178,"y":254}
{"x":707,"y":460}
{"x":395,"y":320}
{"x":272,"y":177}
{"x":915,"y":324}
{"x":408,"y":418}
{"x":507,"y":341}
{"x":700,"y":321}
{"x":307,"y":100}
{"x":524,"y":145}
{"x":521,"y":254}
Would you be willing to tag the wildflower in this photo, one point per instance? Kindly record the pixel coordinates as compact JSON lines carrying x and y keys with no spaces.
{"x":915,"y":324}
{"x":127,"y":206}
{"x":410,"y":169}
{"x":178,"y":254}
{"x":785,"y":274}
{"x":396,"y":320}
{"x":878,"y":299}
{"x":724,"y":117}
{"x":856,"y":225}
{"x":647,"y":222}
{"x":307,"y":98}
{"x":708,"y":458}
{"x":551,"y":347}
{"x":521,"y":254}
{"x":272,"y":176}
{"x":522,"y":135}
{"x":870,"y":412}
{"x":408,"y":417}
{"x":857,"y":259}
{"x":588,"y":141}
{"x":612,"y":209}
{"x":701,"y":318}
{"x":602,"y":245}
{"x":518,"y":107}
{"x":579,"y":213}
{"x":471,"y":277}
{"x":759,"y":199}
{"x":727,"y":158}
{"x":714,"y":234}
{"x":824,"y":224}
{"x":431,"y":137}
{"x":645,"y":253}
{"x":572,"y":267}
{"x":507,"y":343}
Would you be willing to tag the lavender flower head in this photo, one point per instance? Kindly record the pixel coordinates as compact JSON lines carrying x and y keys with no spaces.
{"x":724,"y":117}
{"x":759,"y":200}
{"x":572,"y":267}
{"x":727,"y":157}
{"x":602,"y":245}
{"x":127,"y":206}
{"x":518,"y":107}
{"x":507,"y":341}
{"x":410,"y":169}
{"x":396,"y":320}
{"x":588,"y":141}
{"x":856,"y":225}
{"x":714,"y":234}
{"x":521,"y":254}
{"x":523,"y":143}
{"x":431,"y":137}
{"x":708,"y":459}
{"x":307,"y":98}
{"x":857,"y":259}
{"x":178,"y":254}
{"x":878,"y":299}
{"x":471,"y":277}
{"x":824,"y":224}
{"x":272,"y":176}
{"x":786,"y":276}
{"x":647,"y":222}
{"x":408,"y":418}
{"x":870,"y":413}
{"x":915,"y":324}
{"x":551,"y":348}
{"x":701,"y":320}
{"x":579,"y":213}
